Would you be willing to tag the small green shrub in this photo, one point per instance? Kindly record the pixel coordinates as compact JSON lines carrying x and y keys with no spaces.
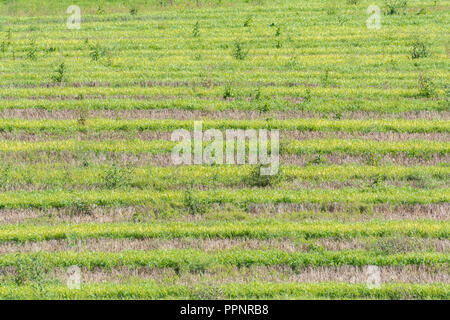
{"x":133,"y":11}
{"x":50,"y":49}
{"x":338,"y":116}
{"x":4,"y":46}
{"x":308,"y":95}
{"x":196,"y":30}
{"x":373,"y":159}
{"x":377,"y":181}
{"x":426,"y":87}
{"x":331,"y":10}
{"x":239,"y":52}
{"x":96,"y":52}
{"x":29,"y":270}
{"x":255,"y":179}
{"x":419,"y":50}
{"x":80,"y":207}
{"x":7,"y":42}
{"x":193,"y":205}
{"x":278,"y":32}
{"x":258,"y":94}
{"x":32,"y":50}
{"x":325,"y":78}
{"x":395,"y":6}
{"x":248,"y":22}
{"x":228,"y":92}
{"x":116,"y":177}
{"x":318,"y":160}
{"x":82,"y":115}
{"x":264,"y":107}
{"x":5,"y":175}
{"x":58,"y":77}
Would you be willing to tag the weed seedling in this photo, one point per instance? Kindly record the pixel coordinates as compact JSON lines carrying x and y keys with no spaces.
{"x":58,"y":77}
{"x":239,"y":52}
{"x":196,"y":30}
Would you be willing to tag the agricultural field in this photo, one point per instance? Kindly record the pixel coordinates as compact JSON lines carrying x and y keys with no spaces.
{"x":358,"y":209}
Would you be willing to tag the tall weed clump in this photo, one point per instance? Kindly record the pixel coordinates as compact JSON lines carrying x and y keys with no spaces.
{"x":30,"y":270}
{"x":394,"y":7}
{"x":256,"y":179}
{"x":419,"y":50}
{"x":426,"y":87}
{"x":239,"y":51}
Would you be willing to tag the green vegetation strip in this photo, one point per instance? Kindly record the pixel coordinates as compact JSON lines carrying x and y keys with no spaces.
{"x":281,"y":64}
{"x":59,"y":175}
{"x":262,"y":229}
{"x":408,"y":126}
{"x":320,"y":103}
{"x":198,"y":260}
{"x":392,"y":195}
{"x":254,"y":290}
{"x":410,"y":148}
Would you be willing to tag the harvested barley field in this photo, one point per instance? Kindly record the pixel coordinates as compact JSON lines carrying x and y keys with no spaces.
{"x":95,"y":94}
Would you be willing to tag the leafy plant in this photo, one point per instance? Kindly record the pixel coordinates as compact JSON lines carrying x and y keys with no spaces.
{"x":7,"y":42}
{"x":377,"y":182}
{"x":308,"y":95}
{"x":100,"y":10}
{"x":325,"y":78}
{"x":4,"y":46}
{"x":80,"y":207}
{"x":9,"y":35}
{"x":395,"y":6}
{"x":5,"y":175}
{"x":239,"y":52}
{"x":256,"y":179}
{"x":82,"y":116}
{"x":116,"y":177}
{"x":228,"y":92}
{"x":58,"y":77}
{"x":426,"y":87}
{"x":264,"y":107}
{"x":29,"y":270}
{"x":133,"y":11}
{"x":278,"y":32}
{"x":196,"y":30}
{"x":258,"y":94}
{"x":373,"y":159}
{"x":32,"y":50}
{"x":49,"y":49}
{"x":419,"y":50}
{"x":318,"y":160}
{"x":248,"y":22}
{"x":96,"y":52}
{"x":192,"y":204}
